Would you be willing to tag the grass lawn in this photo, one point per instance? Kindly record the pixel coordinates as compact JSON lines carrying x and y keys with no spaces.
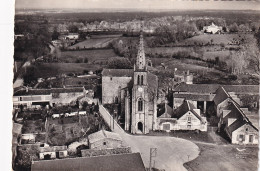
{"x":218,"y":38}
{"x":93,"y":56}
{"x":44,"y":70}
{"x":224,"y":157}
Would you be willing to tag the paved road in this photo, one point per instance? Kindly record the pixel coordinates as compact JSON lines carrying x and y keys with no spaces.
{"x":171,"y":152}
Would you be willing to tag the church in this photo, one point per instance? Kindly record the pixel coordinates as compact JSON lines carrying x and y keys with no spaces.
{"x":135,"y":91}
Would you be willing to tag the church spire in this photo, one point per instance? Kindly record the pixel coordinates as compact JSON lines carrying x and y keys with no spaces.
{"x":140,"y":61}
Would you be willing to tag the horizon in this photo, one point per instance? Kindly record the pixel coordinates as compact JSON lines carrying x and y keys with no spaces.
{"x":134,"y":5}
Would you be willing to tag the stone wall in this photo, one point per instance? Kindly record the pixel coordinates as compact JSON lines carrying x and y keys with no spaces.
{"x":105,"y":152}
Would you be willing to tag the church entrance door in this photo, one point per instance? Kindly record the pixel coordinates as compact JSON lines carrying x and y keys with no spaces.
{"x":140,"y":126}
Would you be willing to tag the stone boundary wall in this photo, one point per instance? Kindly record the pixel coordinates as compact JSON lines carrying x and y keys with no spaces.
{"x":105,"y":152}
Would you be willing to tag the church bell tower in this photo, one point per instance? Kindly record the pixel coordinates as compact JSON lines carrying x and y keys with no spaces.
{"x":139,"y":124}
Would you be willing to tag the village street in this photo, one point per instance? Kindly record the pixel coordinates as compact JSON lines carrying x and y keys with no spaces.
{"x":172,"y":152}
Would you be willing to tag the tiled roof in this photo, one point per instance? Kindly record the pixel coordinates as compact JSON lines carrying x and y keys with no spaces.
{"x":184,"y":108}
{"x":212,"y":88}
{"x":102,"y":134}
{"x":118,"y":72}
{"x":48,"y":91}
{"x":167,"y":112}
{"x":125,"y":162}
{"x":196,"y":97}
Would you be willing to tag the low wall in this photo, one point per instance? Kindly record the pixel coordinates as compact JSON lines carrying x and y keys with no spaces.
{"x":105,"y":152}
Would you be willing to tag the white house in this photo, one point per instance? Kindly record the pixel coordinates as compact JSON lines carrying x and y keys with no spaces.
{"x":213,"y":29}
{"x":185,"y":117}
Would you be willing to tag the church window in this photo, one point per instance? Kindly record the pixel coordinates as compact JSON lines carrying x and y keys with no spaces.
{"x":138,"y":79}
{"x":142,"y":80}
{"x":140,"y":105}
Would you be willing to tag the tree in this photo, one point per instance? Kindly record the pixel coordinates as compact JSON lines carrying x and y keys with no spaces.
{"x":233,"y":27}
{"x":55,"y":35}
{"x":119,"y":63}
{"x":73,"y":29}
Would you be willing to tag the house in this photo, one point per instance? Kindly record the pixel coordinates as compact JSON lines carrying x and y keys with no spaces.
{"x":240,"y":128}
{"x":185,"y":117}
{"x":126,"y":162}
{"x":104,"y":140}
{"x":31,"y":98}
{"x":183,"y":77}
{"x":52,"y":152}
{"x":213,"y":29}
{"x":72,"y":36}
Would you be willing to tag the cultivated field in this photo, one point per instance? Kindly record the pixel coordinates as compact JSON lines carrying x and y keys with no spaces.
{"x":44,"y":70}
{"x":95,"y":42}
{"x":93,"y":56}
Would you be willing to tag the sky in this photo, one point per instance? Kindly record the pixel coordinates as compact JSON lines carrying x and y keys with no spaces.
{"x":141,"y":4}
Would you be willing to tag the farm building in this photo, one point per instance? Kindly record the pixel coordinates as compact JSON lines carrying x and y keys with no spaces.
{"x":104,"y":140}
{"x":185,"y":117}
{"x":126,"y":162}
{"x":31,"y":98}
{"x":213,"y":29}
{"x":52,"y":152}
{"x":202,"y":95}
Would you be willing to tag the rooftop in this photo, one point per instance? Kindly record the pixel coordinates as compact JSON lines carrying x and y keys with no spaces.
{"x":184,"y":108}
{"x":212,"y":88}
{"x":48,"y":91}
{"x":125,"y":162}
{"x":102,"y":134}
{"x":118,"y":72}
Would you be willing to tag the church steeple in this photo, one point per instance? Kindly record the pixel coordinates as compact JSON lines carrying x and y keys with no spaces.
{"x":140,"y":61}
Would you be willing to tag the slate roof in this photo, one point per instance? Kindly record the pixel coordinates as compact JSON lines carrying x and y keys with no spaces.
{"x":125,"y":162}
{"x":184,"y":108}
{"x":240,"y":116}
{"x":102,"y":134}
{"x":48,"y":91}
{"x":212,"y":88}
{"x":152,"y":82}
{"x":221,"y":95}
{"x":118,"y":72}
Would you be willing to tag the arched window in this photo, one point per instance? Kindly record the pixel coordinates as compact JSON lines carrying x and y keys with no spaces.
{"x":140,"y":105}
{"x":142,"y":80}
{"x":138,"y":80}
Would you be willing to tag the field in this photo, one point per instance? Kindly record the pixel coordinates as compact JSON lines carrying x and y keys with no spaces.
{"x":44,"y":70}
{"x":93,"y":56}
{"x":218,"y":39}
{"x":95,"y":42}
{"x":222,"y":157}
